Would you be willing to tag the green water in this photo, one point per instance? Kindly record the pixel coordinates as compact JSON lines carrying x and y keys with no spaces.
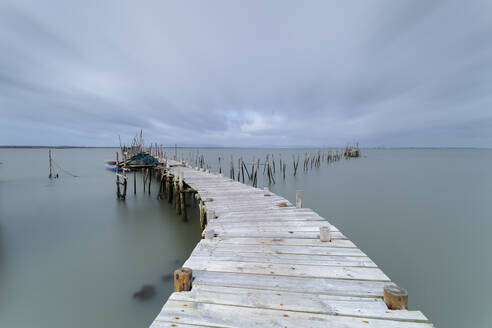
{"x":72,"y":255}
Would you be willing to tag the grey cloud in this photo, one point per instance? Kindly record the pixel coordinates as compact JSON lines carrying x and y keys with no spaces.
{"x":405,"y":73}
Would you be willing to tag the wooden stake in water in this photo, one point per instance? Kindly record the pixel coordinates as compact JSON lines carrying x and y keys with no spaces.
{"x":118,"y":194}
{"x":182,"y":197}
{"x":51,"y":165}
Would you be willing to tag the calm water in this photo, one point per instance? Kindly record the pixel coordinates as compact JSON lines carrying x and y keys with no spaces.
{"x":72,"y":255}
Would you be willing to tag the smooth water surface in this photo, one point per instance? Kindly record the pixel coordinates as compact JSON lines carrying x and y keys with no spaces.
{"x":71,"y":254}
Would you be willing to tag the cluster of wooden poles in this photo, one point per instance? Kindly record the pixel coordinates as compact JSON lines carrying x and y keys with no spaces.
{"x":172,"y":188}
{"x":246,"y":171}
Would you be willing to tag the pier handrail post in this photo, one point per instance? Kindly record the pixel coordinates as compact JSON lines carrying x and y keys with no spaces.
{"x":396,"y":298}
{"x":209,"y":234}
{"x":182,"y":279}
{"x":324,"y":234}
{"x":298,"y":198}
{"x":210,"y":215}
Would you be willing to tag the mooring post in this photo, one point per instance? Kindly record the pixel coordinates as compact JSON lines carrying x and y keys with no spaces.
{"x":324,"y":234}
{"x":51,"y":165}
{"x":170,"y":188}
{"x":161,"y":185}
{"x":209,"y":234}
{"x":174,"y":187}
{"x":201,"y":207}
{"x":210,"y":215}
{"x":298,"y":198}
{"x":177,"y":192}
{"x":125,"y":182}
{"x":396,"y":298}
{"x":118,"y":194}
{"x":134,"y":182}
{"x":144,"y":172}
{"x":182,"y":279}
{"x":150,"y":177}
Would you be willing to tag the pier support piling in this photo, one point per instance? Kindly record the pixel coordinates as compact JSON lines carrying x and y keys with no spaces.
{"x":182,"y":200}
{"x":203,"y":221}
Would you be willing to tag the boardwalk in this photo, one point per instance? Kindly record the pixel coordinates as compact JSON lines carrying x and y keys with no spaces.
{"x":266,"y":267}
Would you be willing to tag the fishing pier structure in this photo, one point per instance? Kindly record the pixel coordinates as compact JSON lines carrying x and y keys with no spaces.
{"x":264,"y":262}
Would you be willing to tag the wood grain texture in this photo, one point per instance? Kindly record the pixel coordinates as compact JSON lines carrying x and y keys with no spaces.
{"x":264,"y":265}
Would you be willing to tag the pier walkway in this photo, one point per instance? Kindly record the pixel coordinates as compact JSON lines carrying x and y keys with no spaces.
{"x":262,"y":264}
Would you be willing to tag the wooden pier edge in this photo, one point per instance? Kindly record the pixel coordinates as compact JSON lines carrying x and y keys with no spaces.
{"x":264,"y":262}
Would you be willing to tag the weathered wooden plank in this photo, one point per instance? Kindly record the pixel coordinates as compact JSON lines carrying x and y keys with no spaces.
{"x":238,"y":316}
{"x":280,"y":249}
{"x":359,"y":288}
{"x":273,"y":234}
{"x":302,"y":302}
{"x":287,"y":258}
{"x":293,"y":270}
{"x":170,"y":324}
{"x":286,"y":242}
{"x":268,"y":228}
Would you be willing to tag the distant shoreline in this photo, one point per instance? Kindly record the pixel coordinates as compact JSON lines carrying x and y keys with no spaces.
{"x":53,"y":147}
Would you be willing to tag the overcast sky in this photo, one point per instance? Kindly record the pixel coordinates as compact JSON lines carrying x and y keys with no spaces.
{"x":246,"y":73}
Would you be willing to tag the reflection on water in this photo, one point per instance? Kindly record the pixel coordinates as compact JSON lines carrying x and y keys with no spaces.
{"x":71,"y":254}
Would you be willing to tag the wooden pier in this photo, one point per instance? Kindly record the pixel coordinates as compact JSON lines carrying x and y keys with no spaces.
{"x":264,"y":262}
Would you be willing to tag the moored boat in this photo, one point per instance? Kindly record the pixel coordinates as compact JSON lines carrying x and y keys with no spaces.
{"x":111,"y":165}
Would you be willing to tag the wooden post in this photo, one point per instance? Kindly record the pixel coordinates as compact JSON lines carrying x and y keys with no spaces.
{"x":118,"y":194}
{"x":149,"y":170}
{"x":144,"y":173}
{"x":51,"y":165}
{"x":201,"y":207}
{"x":170,"y":188}
{"x":125,"y":182}
{"x":161,"y":186}
{"x":176,"y":196}
{"x":396,"y":298}
{"x":134,"y":182}
{"x":209,"y":234}
{"x":298,"y":198}
{"x":182,"y":279}
{"x":324,"y":234}
{"x":182,"y":196}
